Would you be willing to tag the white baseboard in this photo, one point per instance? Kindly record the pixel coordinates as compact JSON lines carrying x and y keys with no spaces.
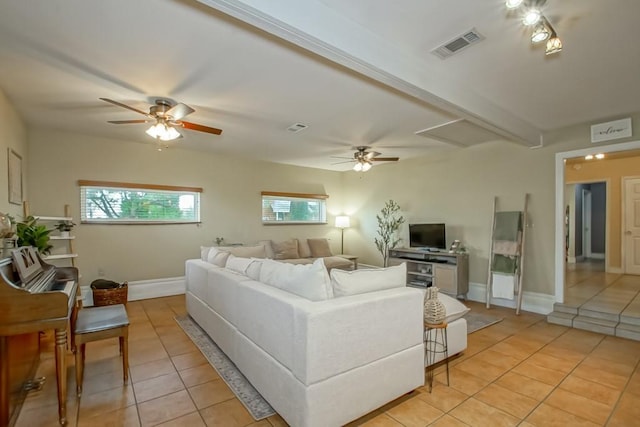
{"x":531,"y":301}
{"x":596,"y":256}
{"x":144,"y":289}
{"x":615,"y":270}
{"x":571,"y":260}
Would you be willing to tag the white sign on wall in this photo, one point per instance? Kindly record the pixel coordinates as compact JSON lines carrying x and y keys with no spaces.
{"x":611,"y":130}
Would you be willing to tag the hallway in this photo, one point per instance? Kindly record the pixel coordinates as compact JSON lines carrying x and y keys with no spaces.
{"x":599,"y":302}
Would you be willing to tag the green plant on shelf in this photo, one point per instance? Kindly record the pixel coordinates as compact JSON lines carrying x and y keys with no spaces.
{"x":30,"y":233}
{"x":65,"y":225}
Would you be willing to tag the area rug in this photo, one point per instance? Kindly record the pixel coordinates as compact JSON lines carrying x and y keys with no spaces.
{"x":241,"y":387}
{"x":477,"y":321}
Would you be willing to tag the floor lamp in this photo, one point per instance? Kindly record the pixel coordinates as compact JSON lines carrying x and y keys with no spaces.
{"x":342,"y":222}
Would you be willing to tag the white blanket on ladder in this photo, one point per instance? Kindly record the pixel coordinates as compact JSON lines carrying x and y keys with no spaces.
{"x":503,"y":285}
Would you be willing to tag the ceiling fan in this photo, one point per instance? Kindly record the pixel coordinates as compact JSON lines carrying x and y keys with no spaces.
{"x":364,"y":159}
{"x":166,"y":116}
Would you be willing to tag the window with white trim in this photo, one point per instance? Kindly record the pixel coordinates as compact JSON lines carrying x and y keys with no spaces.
{"x":293,"y":208}
{"x":127,"y":203}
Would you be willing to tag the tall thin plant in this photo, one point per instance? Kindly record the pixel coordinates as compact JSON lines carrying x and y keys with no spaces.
{"x":388,"y":225}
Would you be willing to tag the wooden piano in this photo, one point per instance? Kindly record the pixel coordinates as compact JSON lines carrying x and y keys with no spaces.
{"x":34,"y":296}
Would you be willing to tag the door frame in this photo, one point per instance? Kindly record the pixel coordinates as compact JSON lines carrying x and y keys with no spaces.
{"x":561,"y":158}
{"x":586,"y":223}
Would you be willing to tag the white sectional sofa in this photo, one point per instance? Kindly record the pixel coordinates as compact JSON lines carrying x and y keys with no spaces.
{"x":323,"y":356}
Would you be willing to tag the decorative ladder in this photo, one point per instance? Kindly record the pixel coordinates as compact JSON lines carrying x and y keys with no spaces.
{"x":506,"y":254}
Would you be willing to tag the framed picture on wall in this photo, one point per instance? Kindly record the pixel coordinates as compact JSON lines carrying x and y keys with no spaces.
{"x":15,"y":177}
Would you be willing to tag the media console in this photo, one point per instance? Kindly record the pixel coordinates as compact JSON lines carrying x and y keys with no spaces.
{"x":448,"y":271}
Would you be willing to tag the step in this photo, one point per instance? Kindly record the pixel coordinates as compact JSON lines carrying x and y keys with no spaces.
{"x":561,"y":318}
{"x":564,"y":308}
{"x":631,"y":332}
{"x":596,"y":314}
{"x":593,"y":324}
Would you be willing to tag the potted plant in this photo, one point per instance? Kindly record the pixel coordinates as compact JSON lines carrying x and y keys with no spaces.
{"x":30,"y":233}
{"x":64,"y":227}
{"x":388,"y":225}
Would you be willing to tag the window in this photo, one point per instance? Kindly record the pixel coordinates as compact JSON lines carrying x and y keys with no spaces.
{"x":293,"y":208}
{"x":126,"y":203}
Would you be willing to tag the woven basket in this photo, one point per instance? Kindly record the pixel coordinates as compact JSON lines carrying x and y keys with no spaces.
{"x":110,"y":296}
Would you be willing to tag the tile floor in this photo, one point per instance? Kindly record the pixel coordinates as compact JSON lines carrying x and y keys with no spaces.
{"x":521,"y":371}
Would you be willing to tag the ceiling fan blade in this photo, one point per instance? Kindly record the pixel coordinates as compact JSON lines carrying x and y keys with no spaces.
{"x":124,"y":106}
{"x":124,"y":122}
{"x":385,"y":159}
{"x":341,"y":157}
{"x":200,"y":128}
{"x":371,"y":154}
{"x":179,"y":111}
{"x":339,"y":163}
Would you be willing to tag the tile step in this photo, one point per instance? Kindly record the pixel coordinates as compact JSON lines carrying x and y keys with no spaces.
{"x":632,"y":320}
{"x":561,"y":318}
{"x":596,"y":314}
{"x":602,"y":326}
{"x":563,"y":308}
{"x":632,"y":332}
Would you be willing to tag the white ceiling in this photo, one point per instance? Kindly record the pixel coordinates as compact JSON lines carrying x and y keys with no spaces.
{"x":58,"y":57}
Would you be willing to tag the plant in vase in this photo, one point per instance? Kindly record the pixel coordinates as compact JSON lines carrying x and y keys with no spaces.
{"x":30,"y":233}
{"x":388,"y":225}
{"x":64,"y":227}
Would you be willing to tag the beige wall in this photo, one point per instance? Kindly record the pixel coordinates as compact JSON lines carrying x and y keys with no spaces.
{"x":13,"y":134}
{"x":612,"y":171}
{"x":230,"y":202}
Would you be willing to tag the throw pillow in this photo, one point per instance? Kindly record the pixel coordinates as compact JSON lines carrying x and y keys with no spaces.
{"x":217,"y":257}
{"x":454,"y":308}
{"x":238,"y":264}
{"x":204,"y":252}
{"x":319,"y":248}
{"x":257,"y":251}
{"x":303,"y":248}
{"x":286,"y":250}
{"x":268,"y":248}
{"x":346,"y":283}
{"x":253,"y":271}
{"x":309,"y":281}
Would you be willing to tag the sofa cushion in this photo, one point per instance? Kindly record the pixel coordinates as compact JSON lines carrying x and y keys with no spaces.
{"x":238,"y":264}
{"x":204,"y":252}
{"x":362,"y":281}
{"x":332,"y":262}
{"x":303,"y":248}
{"x":286,"y":250}
{"x":253,"y":270}
{"x":217,"y":257}
{"x":303,"y":261}
{"x":257,"y":251}
{"x":308,"y":281}
{"x":319,"y":248}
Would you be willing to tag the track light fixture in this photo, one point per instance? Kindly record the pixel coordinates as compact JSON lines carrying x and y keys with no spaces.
{"x":531,"y":14}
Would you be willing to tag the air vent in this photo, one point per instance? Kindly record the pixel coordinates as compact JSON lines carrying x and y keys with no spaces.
{"x":456,"y":45}
{"x":297,"y":127}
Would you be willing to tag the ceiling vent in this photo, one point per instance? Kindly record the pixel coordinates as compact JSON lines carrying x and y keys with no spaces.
{"x":456,"y":45}
{"x":461,"y":133}
{"x":297,"y":127}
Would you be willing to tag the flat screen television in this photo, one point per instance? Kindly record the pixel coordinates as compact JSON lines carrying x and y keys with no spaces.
{"x":427,"y":236}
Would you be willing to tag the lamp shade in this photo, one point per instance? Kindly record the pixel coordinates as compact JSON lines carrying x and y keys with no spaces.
{"x":342,"y":221}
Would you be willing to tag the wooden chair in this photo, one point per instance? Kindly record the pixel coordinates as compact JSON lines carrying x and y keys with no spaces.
{"x":94,"y":324}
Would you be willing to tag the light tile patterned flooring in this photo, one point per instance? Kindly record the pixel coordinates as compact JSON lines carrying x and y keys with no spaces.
{"x":521,"y":371}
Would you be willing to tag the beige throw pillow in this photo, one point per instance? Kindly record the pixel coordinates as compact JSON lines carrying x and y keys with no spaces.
{"x":286,"y":250}
{"x":248,"y":251}
{"x":319,"y":248}
{"x":303,"y":248}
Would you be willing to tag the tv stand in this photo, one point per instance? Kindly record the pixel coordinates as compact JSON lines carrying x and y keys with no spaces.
{"x":448,"y":271}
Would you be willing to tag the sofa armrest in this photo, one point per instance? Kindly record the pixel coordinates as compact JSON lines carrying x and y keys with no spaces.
{"x":341,"y":334}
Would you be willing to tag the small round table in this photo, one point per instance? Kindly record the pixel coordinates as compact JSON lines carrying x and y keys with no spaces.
{"x":435,"y":342}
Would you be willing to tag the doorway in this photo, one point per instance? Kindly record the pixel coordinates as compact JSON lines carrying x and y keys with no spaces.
{"x":631,"y":221}
{"x":560,"y":221}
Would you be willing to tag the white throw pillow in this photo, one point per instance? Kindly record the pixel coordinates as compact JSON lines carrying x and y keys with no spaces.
{"x":238,"y":264}
{"x":253,"y":271}
{"x":309,"y":281}
{"x":217,"y":257}
{"x":346,"y":283}
{"x":204,"y":252}
{"x":454,"y":308}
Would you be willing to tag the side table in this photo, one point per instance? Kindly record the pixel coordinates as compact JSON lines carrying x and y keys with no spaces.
{"x":435,"y":342}
{"x":352,"y":258}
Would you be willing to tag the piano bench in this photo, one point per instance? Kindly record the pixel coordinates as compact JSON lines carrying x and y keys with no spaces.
{"x":94,"y":324}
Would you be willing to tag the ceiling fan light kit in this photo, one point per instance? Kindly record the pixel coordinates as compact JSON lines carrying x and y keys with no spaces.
{"x":531,"y":13}
{"x":163,"y":131}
